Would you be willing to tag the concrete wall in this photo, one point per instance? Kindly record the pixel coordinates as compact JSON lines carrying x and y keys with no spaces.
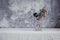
{"x":19,"y":13}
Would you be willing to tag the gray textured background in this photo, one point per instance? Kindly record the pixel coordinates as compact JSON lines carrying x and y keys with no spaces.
{"x":18,"y":13}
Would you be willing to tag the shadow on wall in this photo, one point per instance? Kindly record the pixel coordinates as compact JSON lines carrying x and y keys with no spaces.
{"x":4,"y":10}
{"x":57,"y":8}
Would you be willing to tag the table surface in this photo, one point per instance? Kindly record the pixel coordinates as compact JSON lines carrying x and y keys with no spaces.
{"x":29,"y":34}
